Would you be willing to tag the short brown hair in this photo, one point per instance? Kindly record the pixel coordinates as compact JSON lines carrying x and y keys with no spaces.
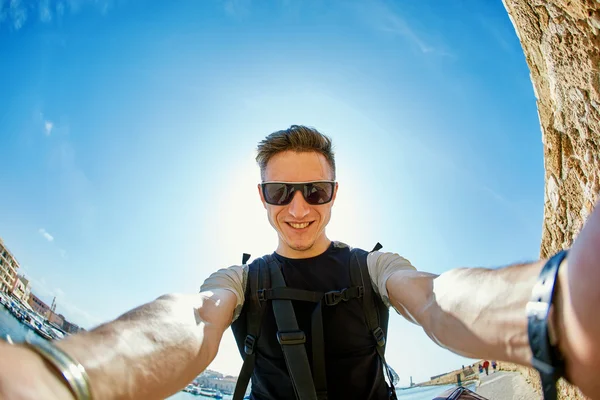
{"x":297,"y":138}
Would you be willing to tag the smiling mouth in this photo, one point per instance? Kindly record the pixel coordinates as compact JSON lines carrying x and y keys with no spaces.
{"x":299,"y":225}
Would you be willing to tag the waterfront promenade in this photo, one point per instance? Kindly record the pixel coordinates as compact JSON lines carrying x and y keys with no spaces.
{"x":506,"y":385}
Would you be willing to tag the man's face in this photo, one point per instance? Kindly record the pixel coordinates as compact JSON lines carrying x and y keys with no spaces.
{"x":296,"y":239}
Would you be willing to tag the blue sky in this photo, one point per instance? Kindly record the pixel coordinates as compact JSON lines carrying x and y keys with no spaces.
{"x":128,"y":131}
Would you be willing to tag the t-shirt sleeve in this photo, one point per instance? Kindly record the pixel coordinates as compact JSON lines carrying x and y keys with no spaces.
{"x":381,"y":267}
{"x":233,"y":279}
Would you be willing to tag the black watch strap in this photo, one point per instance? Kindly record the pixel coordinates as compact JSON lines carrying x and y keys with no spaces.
{"x":546,"y":357}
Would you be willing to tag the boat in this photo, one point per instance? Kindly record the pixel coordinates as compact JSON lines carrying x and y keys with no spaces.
{"x":34,"y":322}
{"x":208,"y":392}
{"x":189,"y":389}
{"x":57,"y":330}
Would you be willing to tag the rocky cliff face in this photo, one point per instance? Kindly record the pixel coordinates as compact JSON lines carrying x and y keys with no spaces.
{"x":561,"y":41}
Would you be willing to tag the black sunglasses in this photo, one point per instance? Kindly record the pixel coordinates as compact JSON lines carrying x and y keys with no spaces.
{"x":282,"y":193}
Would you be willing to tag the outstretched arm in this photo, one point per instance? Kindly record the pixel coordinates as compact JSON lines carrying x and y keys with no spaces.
{"x":480,"y":313}
{"x":475,"y":312}
{"x":150,"y":352}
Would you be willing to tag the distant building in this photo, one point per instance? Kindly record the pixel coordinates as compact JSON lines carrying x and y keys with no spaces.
{"x":58,"y":319}
{"x":21,"y":289}
{"x":225,"y":384}
{"x":8,"y":269}
{"x":38,"y":305}
{"x":45,"y":311}
{"x":71,"y":328}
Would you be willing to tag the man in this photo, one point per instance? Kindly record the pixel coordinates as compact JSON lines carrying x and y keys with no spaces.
{"x":486,"y":366}
{"x":154,"y":350}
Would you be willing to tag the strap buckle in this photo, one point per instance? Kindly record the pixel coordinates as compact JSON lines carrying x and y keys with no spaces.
{"x":334,"y":297}
{"x":261,"y":295}
{"x":361,"y":291}
{"x":249,"y":343}
{"x":291,"y":337}
{"x":379,"y":336}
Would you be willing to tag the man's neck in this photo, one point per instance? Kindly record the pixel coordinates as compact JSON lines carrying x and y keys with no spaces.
{"x":319,"y":247}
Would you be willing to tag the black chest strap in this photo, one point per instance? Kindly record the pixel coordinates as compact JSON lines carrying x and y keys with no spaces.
{"x":260,"y":278}
{"x":359,"y":274}
{"x":291,"y":339}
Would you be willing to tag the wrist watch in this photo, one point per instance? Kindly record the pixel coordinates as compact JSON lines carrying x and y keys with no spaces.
{"x":546,"y":355}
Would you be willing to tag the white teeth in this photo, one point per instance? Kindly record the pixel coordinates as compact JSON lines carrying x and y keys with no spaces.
{"x":299,"y":226}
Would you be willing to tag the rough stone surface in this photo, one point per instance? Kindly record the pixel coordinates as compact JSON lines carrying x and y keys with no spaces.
{"x":561,"y":42}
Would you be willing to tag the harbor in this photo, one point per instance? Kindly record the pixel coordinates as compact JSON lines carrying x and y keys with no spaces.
{"x":25,"y":323}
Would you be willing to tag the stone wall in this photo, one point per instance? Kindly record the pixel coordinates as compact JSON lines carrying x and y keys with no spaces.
{"x":561,"y":42}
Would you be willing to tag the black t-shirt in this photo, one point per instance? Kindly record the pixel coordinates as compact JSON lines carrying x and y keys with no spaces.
{"x":353,"y":367}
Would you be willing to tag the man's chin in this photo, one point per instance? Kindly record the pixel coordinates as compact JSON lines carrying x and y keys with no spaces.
{"x":301,"y":246}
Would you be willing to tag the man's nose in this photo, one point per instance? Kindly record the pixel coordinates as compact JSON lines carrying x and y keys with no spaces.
{"x":298,"y":208}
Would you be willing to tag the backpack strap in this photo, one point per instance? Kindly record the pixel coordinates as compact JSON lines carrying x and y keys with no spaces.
{"x":317,"y":334}
{"x":258,"y":279}
{"x":245,"y":258}
{"x":318,"y":352}
{"x":287,"y":293}
{"x":359,"y":275}
{"x":291,"y":339}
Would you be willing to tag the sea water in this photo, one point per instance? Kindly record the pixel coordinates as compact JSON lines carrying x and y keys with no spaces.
{"x":415,"y":393}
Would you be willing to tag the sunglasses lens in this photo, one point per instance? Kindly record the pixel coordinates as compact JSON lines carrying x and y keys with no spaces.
{"x":277,"y":193}
{"x":318,"y":192}
{"x":315,"y":193}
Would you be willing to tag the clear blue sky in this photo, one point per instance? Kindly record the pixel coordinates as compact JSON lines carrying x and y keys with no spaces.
{"x":127,"y":134}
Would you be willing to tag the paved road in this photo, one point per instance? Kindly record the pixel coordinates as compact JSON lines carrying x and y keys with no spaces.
{"x":506,"y":386}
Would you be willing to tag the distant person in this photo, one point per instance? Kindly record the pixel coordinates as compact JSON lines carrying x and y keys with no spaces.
{"x":494,"y":365}
{"x":156,"y":349}
{"x":480,"y":369}
{"x":486,"y":366}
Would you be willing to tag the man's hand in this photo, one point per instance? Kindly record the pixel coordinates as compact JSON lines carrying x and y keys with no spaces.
{"x":150,"y":352}
{"x":578,"y":309}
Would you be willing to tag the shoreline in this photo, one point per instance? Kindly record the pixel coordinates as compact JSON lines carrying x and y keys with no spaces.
{"x":467,"y":375}
{"x":531,"y":376}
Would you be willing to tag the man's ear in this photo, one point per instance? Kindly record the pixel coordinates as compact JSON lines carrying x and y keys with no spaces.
{"x":262,"y":197}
